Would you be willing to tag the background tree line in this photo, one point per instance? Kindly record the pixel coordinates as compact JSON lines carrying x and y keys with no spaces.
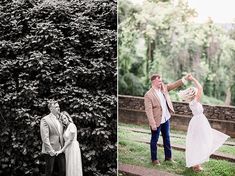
{"x":161,"y":37}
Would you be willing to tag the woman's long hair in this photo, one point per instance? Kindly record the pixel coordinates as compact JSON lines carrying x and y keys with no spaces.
{"x":188,"y":94}
{"x":67,"y":115}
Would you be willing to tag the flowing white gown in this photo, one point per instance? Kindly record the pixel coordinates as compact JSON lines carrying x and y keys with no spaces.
{"x":201,"y":139}
{"x":72,"y":153}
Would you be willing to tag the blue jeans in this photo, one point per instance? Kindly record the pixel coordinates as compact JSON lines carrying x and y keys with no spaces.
{"x":165,"y":130}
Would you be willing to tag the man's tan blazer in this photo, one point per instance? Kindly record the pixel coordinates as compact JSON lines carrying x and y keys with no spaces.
{"x":152,"y":104}
{"x":52,"y":137}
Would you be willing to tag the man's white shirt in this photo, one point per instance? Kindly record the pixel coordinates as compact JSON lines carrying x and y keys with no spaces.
{"x":165,"y":112}
{"x":57,"y":124}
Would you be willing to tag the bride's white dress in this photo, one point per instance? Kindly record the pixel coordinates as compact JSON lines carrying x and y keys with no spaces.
{"x":201,"y":139}
{"x":72,"y":153}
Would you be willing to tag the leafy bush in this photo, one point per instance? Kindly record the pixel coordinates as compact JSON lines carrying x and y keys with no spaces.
{"x":66,"y":51}
{"x":129,"y":84}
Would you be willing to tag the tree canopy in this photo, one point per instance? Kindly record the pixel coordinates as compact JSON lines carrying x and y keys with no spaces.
{"x":161,"y":37}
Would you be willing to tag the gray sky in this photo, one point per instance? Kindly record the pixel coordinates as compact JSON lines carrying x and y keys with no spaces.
{"x":220,"y":11}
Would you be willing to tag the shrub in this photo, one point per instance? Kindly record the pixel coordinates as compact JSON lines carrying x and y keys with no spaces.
{"x":129,"y":84}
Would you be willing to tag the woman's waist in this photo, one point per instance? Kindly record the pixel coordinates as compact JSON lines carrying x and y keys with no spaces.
{"x":73,"y":144}
{"x":74,"y":140}
{"x":197,"y":113}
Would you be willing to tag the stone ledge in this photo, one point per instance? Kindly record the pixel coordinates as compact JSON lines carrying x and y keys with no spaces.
{"x":222,"y":118}
{"x":211,"y":112}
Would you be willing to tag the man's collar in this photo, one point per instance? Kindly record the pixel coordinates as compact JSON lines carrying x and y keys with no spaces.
{"x":157,"y":90}
{"x":52,"y":115}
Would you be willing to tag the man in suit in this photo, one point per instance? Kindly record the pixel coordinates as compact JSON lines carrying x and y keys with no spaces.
{"x":51,"y":130}
{"x":158,"y":107}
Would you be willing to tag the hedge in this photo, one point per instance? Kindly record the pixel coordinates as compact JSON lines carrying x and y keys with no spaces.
{"x":63,"y":50}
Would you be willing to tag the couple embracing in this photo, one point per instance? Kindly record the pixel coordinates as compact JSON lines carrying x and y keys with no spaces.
{"x":201,"y":139}
{"x":59,"y":142}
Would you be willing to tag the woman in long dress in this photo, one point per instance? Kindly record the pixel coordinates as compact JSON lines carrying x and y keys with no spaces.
{"x":71,"y":147}
{"x":201,"y":139}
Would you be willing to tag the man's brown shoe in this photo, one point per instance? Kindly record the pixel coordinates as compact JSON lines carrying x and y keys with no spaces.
{"x":156,"y":162}
{"x":170,"y":160}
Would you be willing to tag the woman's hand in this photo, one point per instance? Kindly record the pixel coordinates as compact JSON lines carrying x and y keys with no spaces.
{"x":187,"y":77}
{"x":59,"y":152}
{"x":190,"y":77}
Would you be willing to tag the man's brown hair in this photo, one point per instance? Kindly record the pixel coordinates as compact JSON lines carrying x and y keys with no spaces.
{"x":154,"y":76}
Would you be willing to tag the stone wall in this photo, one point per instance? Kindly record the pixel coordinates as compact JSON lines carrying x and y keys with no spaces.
{"x":222,"y":118}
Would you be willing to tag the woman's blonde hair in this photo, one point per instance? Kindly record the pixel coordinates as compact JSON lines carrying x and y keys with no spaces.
{"x":188,"y":94}
{"x":67,"y":115}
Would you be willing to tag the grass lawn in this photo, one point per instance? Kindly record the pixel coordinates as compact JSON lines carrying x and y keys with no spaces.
{"x":125,"y":134}
{"x":136,"y":153}
{"x":173,"y":131}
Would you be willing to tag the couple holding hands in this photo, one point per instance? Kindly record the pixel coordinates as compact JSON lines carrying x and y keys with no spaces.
{"x":59,"y":142}
{"x":201,"y":139}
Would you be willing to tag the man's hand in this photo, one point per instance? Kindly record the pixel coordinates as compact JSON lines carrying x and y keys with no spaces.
{"x":188,"y":76}
{"x":154,"y":127}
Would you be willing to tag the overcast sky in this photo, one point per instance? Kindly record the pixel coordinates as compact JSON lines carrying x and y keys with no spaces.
{"x":221,"y":11}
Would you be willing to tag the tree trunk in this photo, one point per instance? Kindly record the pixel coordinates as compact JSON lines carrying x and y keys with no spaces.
{"x":228,"y":96}
{"x":149,"y":53}
{"x":147,"y":57}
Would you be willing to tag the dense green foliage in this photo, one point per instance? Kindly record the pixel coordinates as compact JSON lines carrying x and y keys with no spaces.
{"x":159,"y":37}
{"x":66,"y":51}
